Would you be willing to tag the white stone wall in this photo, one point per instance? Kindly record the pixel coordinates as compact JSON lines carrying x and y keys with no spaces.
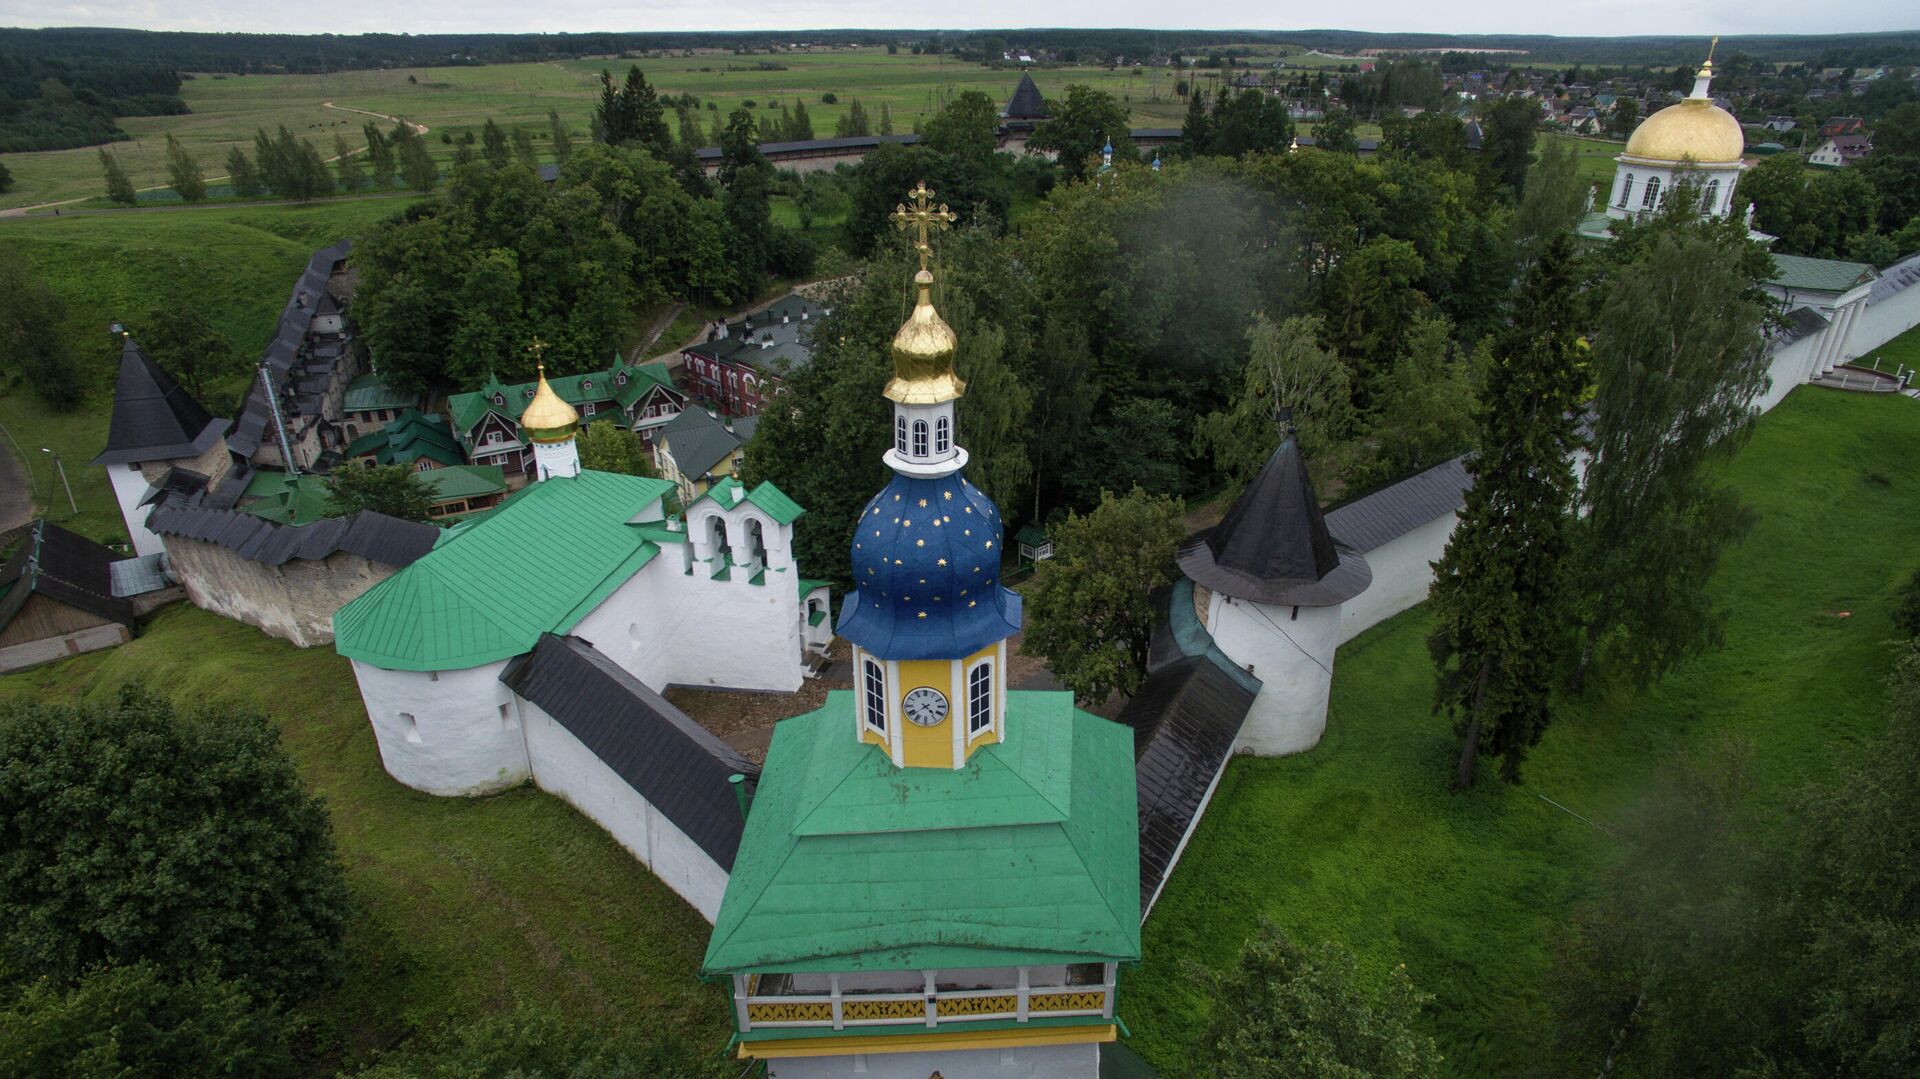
{"x":1882,"y":322}
{"x":1402,"y":575}
{"x":1292,"y":657}
{"x":1020,"y":1062}
{"x":562,"y":765}
{"x":33,"y":653}
{"x":1791,"y":365}
{"x":128,"y":486}
{"x":445,"y":732}
{"x":295,"y":600}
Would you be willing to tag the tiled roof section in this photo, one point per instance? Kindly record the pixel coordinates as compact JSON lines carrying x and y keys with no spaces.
{"x":667,"y":758}
{"x":698,"y":441}
{"x":1373,"y":520}
{"x":63,"y":566}
{"x":933,"y":867}
{"x":1273,"y":545}
{"x":1026,"y":102}
{"x":283,"y":352}
{"x":537,"y":563}
{"x":1896,"y":278}
{"x":154,"y":418}
{"x":370,"y":392}
{"x":1818,"y":275}
{"x":373,"y":536}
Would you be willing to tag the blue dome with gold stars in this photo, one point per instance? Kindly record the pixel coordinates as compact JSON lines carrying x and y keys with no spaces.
{"x":926,"y":569}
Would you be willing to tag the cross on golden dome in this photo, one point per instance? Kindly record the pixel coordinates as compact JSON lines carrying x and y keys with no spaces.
{"x":923,"y":219}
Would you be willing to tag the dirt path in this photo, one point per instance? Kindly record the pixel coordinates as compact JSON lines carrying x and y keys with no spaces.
{"x":418,"y":128}
{"x":654,"y":331}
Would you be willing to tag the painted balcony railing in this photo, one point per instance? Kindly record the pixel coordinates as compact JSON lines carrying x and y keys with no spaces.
{"x":932,"y":1006}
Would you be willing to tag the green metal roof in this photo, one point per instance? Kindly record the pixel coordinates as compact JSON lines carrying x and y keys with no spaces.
{"x":468,"y":409}
{"x":1819,"y":275}
{"x":465,"y":481}
{"x":808,"y":584}
{"x":1029,"y":854}
{"x":537,"y":563}
{"x":769,"y":499}
{"x":285,"y":499}
{"x":369,"y":392}
{"x":411,"y":436}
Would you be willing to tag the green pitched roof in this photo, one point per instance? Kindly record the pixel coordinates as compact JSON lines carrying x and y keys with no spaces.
{"x":411,"y":436}
{"x":808,"y":584}
{"x":1029,"y":854}
{"x":769,"y":499}
{"x":537,"y":563}
{"x":1819,"y":275}
{"x":285,"y":499}
{"x":468,"y":409}
{"x":465,"y":481}
{"x":368,"y":392}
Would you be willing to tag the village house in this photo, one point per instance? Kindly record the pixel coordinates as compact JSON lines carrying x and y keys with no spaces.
{"x":1840,"y":151}
{"x":61,"y":595}
{"x":370,"y":404}
{"x":414,"y":439}
{"x":741,"y":364}
{"x":697,"y":449}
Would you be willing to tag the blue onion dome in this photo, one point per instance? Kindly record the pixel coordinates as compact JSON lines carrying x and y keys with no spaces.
{"x":926,"y":568}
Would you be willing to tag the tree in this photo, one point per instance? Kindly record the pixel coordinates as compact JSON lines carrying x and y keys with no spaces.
{"x":1286,"y":1011}
{"x":1498,"y":590}
{"x":416,"y":161}
{"x":1554,"y":199}
{"x":347,"y":166}
{"x":1089,"y":614}
{"x":967,"y":127}
{"x":1251,"y":121}
{"x":379,"y":155}
{"x":558,"y":137}
{"x":1678,"y":359}
{"x":1080,"y":126}
{"x":1196,"y":131}
{"x":1625,"y":117}
{"x":119,"y":185}
{"x":242,"y":175}
{"x":184,"y":172}
{"x":493,"y":142}
{"x":33,"y":344}
{"x":6,"y":180}
{"x":746,"y":180}
{"x":886,"y":119}
{"x":178,"y":337}
{"x":800,"y":126}
{"x":1506,"y":145}
{"x":128,"y":1020}
{"x":1137,"y":445}
{"x":853,"y":123}
{"x":1334,"y":133}
{"x":606,"y":448}
{"x":1906,"y":617}
{"x":1424,"y":412}
{"x":524,"y":154}
{"x":1286,"y":367}
{"x":137,"y":834}
{"x":395,"y":490}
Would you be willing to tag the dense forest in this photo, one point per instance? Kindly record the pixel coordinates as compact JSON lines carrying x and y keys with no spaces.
{"x":54,"y":103}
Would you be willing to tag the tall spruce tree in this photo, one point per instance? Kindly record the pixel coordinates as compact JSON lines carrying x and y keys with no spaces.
{"x":493,"y":144}
{"x":1678,"y":359}
{"x":1197,"y":131}
{"x":1499,"y":590}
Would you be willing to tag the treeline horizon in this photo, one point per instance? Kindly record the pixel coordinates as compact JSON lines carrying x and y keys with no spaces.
{"x":243,"y":53}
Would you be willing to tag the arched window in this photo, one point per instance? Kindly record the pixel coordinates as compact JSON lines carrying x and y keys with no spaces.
{"x":900,"y":433}
{"x":942,"y":435}
{"x":979,"y":699}
{"x":919,"y":438}
{"x":1711,"y":204}
{"x":1651,"y":200}
{"x":1626,"y":191}
{"x":876,"y":697}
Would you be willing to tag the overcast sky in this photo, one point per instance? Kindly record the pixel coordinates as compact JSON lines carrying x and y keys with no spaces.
{"x":1575,"y":17}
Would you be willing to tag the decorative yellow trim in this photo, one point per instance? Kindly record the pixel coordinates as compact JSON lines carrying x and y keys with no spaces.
{"x":1091,"y":1000}
{"x":927,"y":1043}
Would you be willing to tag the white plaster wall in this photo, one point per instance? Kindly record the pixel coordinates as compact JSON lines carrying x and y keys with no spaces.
{"x":1402,"y":575}
{"x":458,"y":741}
{"x":1023,"y":1062}
{"x":128,"y":486}
{"x":33,"y":653}
{"x":1790,"y":366}
{"x":1292,"y":657}
{"x":556,"y":459}
{"x":1882,"y":322}
{"x":562,"y":765}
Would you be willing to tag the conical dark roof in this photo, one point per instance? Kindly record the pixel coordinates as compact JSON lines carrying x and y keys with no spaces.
{"x":1273,"y":545}
{"x":1026,"y":103}
{"x":154,"y":418}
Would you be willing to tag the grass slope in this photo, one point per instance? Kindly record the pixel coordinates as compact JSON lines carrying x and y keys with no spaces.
{"x":1358,"y":840}
{"x":236,"y":264}
{"x":466,"y":905}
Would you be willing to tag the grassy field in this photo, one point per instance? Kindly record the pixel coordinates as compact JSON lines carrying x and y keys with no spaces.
{"x":1593,"y":157}
{"x":235,"y":264}
{"x":226,"y":110}
{"x":466,"y":906}
{"x":1358,"y":841}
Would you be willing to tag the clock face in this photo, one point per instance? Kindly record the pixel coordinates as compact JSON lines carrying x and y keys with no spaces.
{"x":925,"y":707}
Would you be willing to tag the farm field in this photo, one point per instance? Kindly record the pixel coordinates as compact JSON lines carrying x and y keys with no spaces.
{"x":471,"y":906}
{"x":1358,"y":840}
{"x":236,"y":264}
{"x":451,"y":100}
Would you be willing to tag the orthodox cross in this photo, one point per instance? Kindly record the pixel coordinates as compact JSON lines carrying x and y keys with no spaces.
{"x":1713,"y":46}
{"x":923,"y":219}
{"x":539,"y":350}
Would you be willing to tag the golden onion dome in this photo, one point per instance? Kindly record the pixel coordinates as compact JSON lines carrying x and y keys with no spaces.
{"x":923,"y":354}
{"x":1695,"y":129}
{"x":548,"y":418}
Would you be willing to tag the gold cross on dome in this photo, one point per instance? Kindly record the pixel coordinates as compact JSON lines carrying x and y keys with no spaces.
{"x":923,"y":219}
{"x":1711,"y":47}
{"x":539,"y":350}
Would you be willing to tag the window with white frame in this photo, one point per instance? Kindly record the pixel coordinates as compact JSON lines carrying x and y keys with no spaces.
{"x":1651,"y":200}
{"x":876,"y":697}
{"x":919,"y":438}
{"x":942,"y":435}
{"x":979,"y":698}
{"x":1626,"y":191}
{"x":1712,"y":201}
{"x":900,"y":433}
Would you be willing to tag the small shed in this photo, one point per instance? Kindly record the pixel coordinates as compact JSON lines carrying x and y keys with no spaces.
{"x":1034,"y":544}
{"x":57,"y":599}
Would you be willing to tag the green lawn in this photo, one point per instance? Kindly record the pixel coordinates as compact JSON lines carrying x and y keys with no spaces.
{"x":1358,"y":840}
{"x":226,"y":111}
{"x":1593,"y":158}
{"x":235,"y":264}
{"x":466,"y":905}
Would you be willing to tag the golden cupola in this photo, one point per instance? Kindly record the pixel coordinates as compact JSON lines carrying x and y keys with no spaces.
{"x":923,"y":349}
{"x":1695,"y":130}
{"x":548,"y":418}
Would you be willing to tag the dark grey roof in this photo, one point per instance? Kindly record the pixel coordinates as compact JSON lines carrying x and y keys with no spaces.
{"x":139,"y":575}
{"x":1373,"y":520}
{"x":63,"y":566}
{"x":177,"y":481}
{"x":1898,"y":277}
{"x":847,"y":144}
{"x":1140,"y":133}
{"x":668,"y":759}
{"x":283,"y":352}
{"x":698,"y":441}
{"x":1273,"y":545}
{"x":373,"y":536}
{"x":1801,"y":322}
{"x":154,"y":418}
{"x":1026,"y":102}
{"x":548,"y":173}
